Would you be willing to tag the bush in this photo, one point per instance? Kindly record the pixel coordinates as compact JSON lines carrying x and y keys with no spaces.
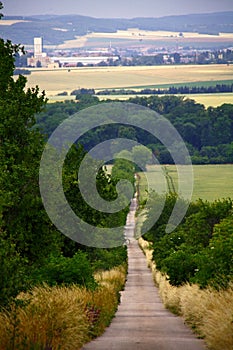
{"x":19,"y":71}
{"x":66,"y":271}
{"x":180,"y":267}
{"x":83,"y":91}
{"x":64,"y":93}
{"x":215,"y":266}
{"x":106,"y":259}
{"x":200,"y":249}
{"x":13,"y":276}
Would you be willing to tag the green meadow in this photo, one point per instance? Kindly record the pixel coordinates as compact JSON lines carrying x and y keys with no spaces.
{"x":211,"y":182}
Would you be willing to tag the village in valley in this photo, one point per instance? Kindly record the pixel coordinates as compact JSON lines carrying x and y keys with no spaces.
{"x":136,"y":54}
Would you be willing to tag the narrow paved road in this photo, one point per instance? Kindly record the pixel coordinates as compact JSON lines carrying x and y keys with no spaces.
{"x":142,"y":322}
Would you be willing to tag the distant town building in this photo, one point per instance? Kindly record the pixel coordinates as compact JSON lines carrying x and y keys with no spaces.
{"x":40,"y":58}
{"x":53,"y":65}
{"x":38,"y":47}
{"x":74,"y":61}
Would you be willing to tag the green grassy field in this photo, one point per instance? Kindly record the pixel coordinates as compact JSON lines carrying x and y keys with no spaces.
{"x":209,"y":83}
{"x":211,"y":182}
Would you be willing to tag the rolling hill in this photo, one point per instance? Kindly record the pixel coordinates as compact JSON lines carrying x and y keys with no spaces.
{"x":57,"y":29}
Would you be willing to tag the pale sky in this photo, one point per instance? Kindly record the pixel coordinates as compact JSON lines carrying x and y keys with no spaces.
{"x":115,"y":8}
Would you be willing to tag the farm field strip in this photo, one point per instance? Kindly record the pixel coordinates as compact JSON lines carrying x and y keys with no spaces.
{"x":207,"y":83}
{"x":211,"y":182}
{"x":135,"y":36}
{"x":213,"y":100}
{"x":55,"y":81}
{"x":10,"y":22}
{"x":208,"y":100}
{"x":135,"y":32}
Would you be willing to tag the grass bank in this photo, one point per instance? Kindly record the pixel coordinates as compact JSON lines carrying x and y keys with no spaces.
{"x":208,"y":312}
{"x":61,"y":317}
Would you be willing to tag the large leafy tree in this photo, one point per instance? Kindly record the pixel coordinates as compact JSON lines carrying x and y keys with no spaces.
{"x":26,"y":236}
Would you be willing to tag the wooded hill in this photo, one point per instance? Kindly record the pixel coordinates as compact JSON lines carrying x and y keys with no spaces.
{"x":76,"y":25}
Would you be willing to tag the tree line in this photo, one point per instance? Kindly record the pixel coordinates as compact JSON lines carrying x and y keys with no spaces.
{"x":173,"y":90}
{"x":207,"y":132}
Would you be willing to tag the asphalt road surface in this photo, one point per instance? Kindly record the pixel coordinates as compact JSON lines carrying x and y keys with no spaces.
{"x":142,"y":322}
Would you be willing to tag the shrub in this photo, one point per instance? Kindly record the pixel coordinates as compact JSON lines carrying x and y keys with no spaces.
{"x":64,"y":270}
{"x":64,"y":93}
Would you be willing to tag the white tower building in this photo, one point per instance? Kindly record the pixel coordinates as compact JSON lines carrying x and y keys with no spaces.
{"x":38,"y":47}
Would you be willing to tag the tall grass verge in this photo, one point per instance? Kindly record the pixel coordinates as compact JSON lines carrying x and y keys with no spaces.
{"x":113,"y":279}
{"x":208,"y":312}
{"x":60,"y":318}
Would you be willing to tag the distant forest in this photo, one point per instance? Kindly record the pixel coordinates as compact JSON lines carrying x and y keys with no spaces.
{"x":76,"y":25}
{"x":208,"y":133}
{"x":173,"y":90}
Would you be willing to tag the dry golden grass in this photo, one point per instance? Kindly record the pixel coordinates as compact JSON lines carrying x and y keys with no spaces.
{"x":134,"y":33}
{"x":80,"y":41}
{"x":212,"y":100}
{"x":208,"y":100}
{"x":113,"y":279}
{"x":208,"y":312}
{"x":218,"y":320}
{"x":55,"y":81}
{"x":61,"y":317}
{"x":147,"y":249}
{"x":54,"y":318}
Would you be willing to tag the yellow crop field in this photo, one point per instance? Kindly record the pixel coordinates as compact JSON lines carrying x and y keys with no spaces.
{"x":142,"y":37}
{"x":213,"y":100}
{"x":55,"y":81}
{"x":9,"y":22}
{"x":150,"y":34}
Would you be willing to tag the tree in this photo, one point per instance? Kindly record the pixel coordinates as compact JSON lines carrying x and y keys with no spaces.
{"x":177,"y":58}
{"x":141,"y":156}
{"x":1,"y":7}
{"x":26,"y":235}
{"x":86,"y":99}
{"x":215,"y":261}
{"x":200,"y":249}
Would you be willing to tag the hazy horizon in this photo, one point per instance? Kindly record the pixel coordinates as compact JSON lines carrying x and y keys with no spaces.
{"x":115,"y":9}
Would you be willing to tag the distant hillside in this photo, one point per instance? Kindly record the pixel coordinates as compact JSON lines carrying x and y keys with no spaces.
{"x":56,"y":29}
